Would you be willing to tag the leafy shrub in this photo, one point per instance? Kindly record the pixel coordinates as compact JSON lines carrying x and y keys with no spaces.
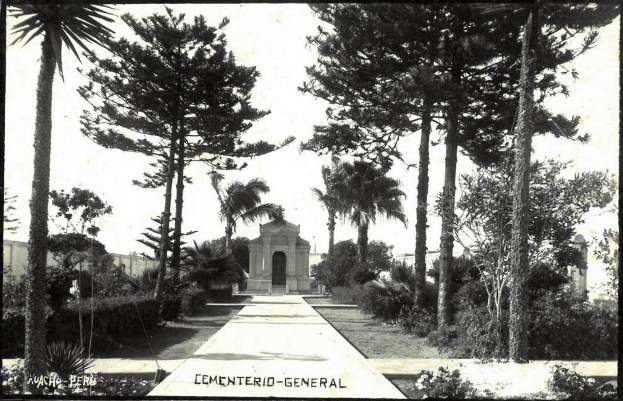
{"x":444,"y":384}
{"x":171,"y":307}
{"x":13,"y":331}
{"x":193,"y":300}
{"x":571,"y":385}
{"x":589,"y":332}
{"x":335,"y":271}
{"x":346,"y":295}
{"x":114,"y":319}
{"x":58,"y":283}
{"x":479,"y":335}
{"x":385,"y":299}
{"x":66,"y":359}
{"x":13,"y":290}
{"x":417,"y":321}
{"x":362,"y":273}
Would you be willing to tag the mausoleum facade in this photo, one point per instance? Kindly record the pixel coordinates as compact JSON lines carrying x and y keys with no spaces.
{"x":279,"y":259}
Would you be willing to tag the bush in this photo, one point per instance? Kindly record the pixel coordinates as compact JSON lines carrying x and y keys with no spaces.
{"x":362,"y":273}
{"x":171,"y":307}
{"x":193,"y":300}
{"x":13,"y":331}
{"x":479,"y":335}
{"x":335,"y":271}
{"x":346,"y":295}
{"x":444,"y":384}
{"x":385,"y":299}
{"x":58,"y":283}
{"x":114,"y":319}
{"x":13,"y":290}
{"x":221,"y":294}
{"x":589,"y":333}
{"x":417,"y":321}
{"x":569,"y":384}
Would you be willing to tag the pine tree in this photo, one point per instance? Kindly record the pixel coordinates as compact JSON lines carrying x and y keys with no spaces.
{"x":179,"y":95}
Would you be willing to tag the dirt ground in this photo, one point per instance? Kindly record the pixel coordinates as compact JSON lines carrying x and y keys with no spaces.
{"x":373,"y":338}
{"x":178,"y":339}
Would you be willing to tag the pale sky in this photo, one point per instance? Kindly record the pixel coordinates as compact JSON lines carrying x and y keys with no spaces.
{"x":271,"y":37}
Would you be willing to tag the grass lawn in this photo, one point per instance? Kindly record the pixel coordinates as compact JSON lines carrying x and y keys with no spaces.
{"x":374,"y":339}
{"x":178,"y":339}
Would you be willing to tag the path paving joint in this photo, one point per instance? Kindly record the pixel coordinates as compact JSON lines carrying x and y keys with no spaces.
{"x":277,"y":346}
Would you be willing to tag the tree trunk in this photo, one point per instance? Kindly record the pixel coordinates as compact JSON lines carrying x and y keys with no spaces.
{"x":331,"y":225}
{"x":447,"y":210}
{"x":362,"y":242}
{"x":519,"y":241}
{"x":166,"y":217}
{"x":422,"y":204}
{"x":228,"y":234}
{"x":179,"y":203}
{"x":35,"y":340}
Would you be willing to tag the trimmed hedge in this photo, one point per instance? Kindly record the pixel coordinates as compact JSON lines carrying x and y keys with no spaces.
{"x":171,"y":307}
{"x":13,"y":331}
{"x":193,"y":300}
{"x":115,"y":319}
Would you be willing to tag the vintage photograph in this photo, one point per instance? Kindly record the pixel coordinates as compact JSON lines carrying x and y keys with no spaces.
{"x":291,"y":200}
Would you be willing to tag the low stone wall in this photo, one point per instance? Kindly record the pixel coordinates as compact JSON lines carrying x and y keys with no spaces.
{"x":15,"y":257}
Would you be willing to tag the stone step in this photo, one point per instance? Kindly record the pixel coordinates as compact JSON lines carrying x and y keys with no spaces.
{"x":280,"y":289}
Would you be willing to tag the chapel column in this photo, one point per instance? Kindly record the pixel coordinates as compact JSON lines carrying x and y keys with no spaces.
{"x":267,"y":267}
{"x":291,"y":256}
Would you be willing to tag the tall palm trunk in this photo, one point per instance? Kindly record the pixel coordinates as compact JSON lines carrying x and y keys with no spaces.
{"x":331,"y":225}
{"x":521,"y":188}
{"x":179,"y":203}
{"x":447,"y":209}
{"x":166,"y":217}
{"x":35,"y":341}
{"x":229,"y":231}
{"x":422,"y":204}
{"x":362,"y":242}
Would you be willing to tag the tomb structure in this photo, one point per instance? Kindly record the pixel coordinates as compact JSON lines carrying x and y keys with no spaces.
{"x":279,"y":260}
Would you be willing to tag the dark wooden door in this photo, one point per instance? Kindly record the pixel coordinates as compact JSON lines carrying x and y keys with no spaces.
{"x":279,"y":268}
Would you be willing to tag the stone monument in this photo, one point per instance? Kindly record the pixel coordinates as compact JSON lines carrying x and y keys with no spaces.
{"x":279,"y":260}
{"x":577,"y":273}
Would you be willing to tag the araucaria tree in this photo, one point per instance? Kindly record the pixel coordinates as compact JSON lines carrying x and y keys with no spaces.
{"x":177,"y":95}
{"x":367,"y":193}
{"x":242,"y":202}
{"x":387,"y":72}
{"x":329,"y":198}
{"x":55,"y":25}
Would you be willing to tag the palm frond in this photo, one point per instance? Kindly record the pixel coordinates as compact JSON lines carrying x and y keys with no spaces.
{"x":269,"y":210}
{"x":71,"y":24}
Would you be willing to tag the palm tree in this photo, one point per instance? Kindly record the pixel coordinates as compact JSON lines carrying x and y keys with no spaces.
{"x":56,"y":24}
{"x":367,"y":192}
{"x":241,"y":202}
{"x":329,"y":199}
{"x":211,"y":271}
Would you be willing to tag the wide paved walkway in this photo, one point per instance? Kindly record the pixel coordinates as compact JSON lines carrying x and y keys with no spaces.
{"x":279,"y":346}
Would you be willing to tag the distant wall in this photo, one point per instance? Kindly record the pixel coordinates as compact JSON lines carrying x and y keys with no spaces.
{"x":15,"y":257}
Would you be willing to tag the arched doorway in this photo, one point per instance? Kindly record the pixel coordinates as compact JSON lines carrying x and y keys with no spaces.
{"x":279,"y":268}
